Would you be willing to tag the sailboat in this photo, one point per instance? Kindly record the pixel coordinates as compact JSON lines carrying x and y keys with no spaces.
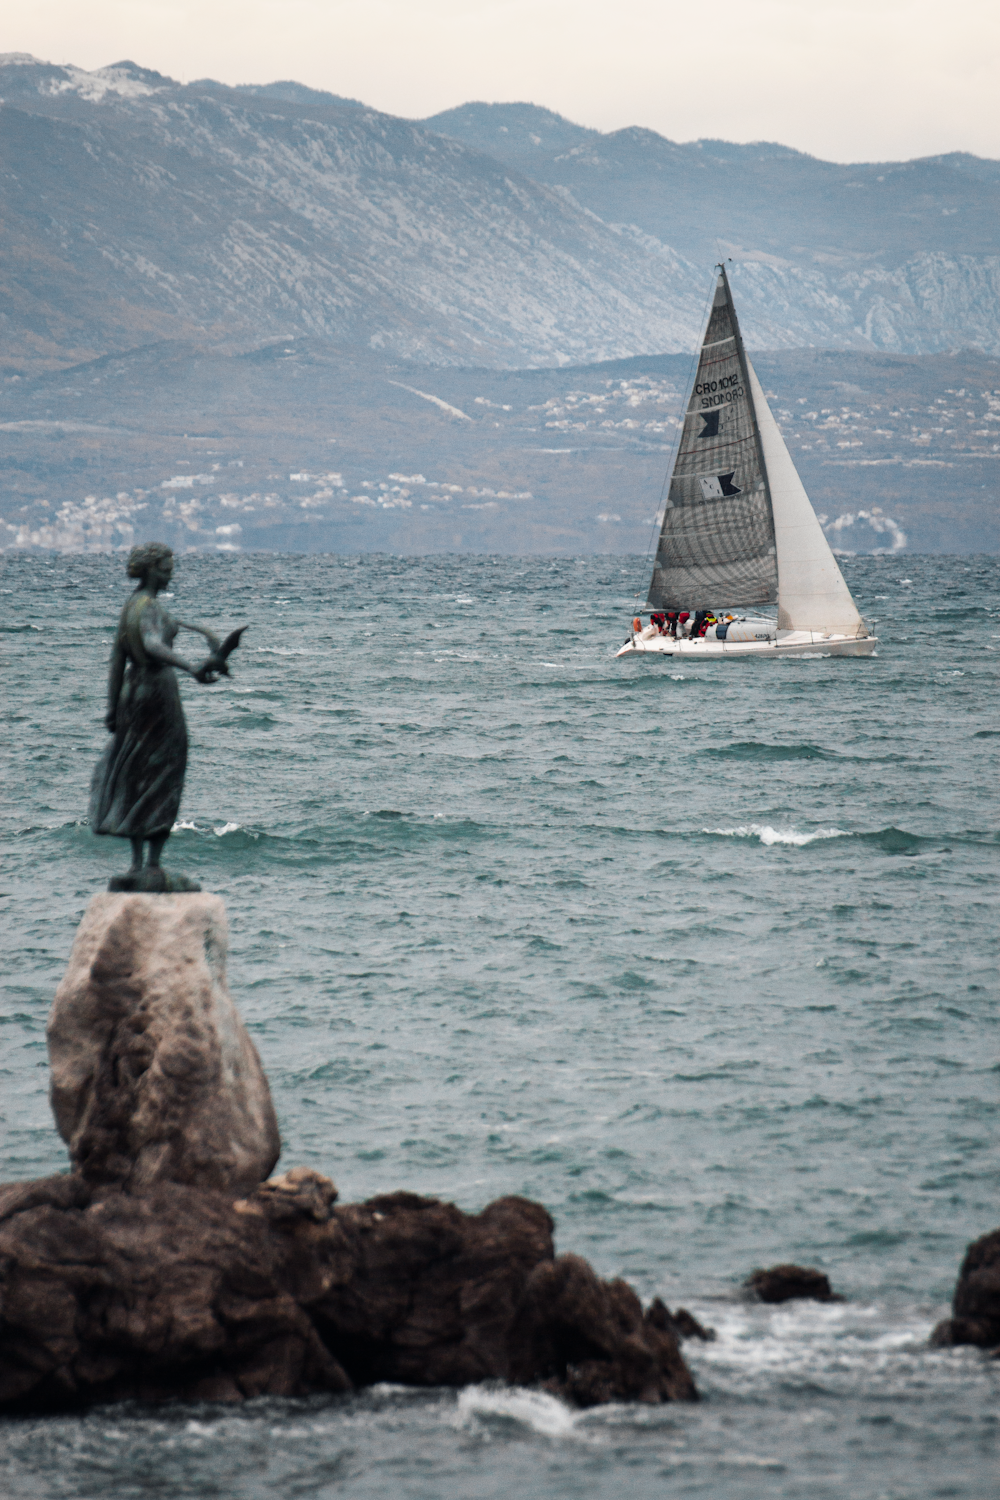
{"x":738,"y":531}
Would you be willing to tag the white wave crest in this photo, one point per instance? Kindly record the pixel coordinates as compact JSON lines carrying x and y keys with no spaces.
{"x":533,"y":1409}
{"x":224,"y":828}
{"x":856,"y":1348}
{"x":768,"y":835}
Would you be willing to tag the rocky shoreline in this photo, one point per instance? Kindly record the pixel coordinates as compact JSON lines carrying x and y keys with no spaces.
{"x":167,"y":1265}
{"x":182,"y":1292}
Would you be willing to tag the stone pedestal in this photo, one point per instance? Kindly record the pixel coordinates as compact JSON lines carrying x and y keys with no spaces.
{"x":154,"y":1077}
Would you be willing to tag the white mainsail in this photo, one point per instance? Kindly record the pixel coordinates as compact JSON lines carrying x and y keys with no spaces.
{"x":812,"y":594}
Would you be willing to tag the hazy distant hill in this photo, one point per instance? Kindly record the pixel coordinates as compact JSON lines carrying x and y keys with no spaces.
{"x":899,"y":255}
{"x":134,"y":208}
{"x":305,"y":446}
{"x":765,"y":195}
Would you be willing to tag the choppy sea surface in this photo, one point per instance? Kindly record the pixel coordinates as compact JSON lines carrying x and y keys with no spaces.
{"x":700,"y":956}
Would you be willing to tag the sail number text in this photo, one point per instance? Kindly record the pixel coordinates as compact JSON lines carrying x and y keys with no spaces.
{"x":718,"y":392}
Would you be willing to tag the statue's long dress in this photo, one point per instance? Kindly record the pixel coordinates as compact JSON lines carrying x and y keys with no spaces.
{"x":137,"y":785}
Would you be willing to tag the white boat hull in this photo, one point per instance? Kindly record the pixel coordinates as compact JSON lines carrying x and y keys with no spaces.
{"x":790,"y":643}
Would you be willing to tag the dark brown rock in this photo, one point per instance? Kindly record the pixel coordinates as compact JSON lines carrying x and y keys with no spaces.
{"x":976,"y":1303}
{"x":300,"y":1193}
{"x":787,"y":1283}
{"x":108,"y":1292}
{"x":154,"y":1077}
{"x":588,"y":1340}
{"x":682,"y":1324}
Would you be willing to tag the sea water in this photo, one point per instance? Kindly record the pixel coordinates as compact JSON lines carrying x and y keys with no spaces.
{"x":699,"y":955}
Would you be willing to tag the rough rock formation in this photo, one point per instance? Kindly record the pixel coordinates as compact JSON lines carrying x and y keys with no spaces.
{"x":682,"y":1324}
{"x":153,"y":1074}
{"x":787,"y":1283}
{"x":107,"y":1292}
{"x":976,"y":1304}
{"x":163,"y":1267}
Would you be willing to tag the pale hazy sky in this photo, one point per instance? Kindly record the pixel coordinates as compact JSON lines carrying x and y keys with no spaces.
{"x":848,"y":80}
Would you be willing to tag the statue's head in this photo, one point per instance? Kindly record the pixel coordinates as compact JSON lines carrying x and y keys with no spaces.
{"x":149,"y":557}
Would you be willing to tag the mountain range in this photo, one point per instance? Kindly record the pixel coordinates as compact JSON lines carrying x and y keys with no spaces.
{"x":499,"y":235}
{"x":895,"y":255}
{"x":136,"y":208}
{"x":270,"y":316}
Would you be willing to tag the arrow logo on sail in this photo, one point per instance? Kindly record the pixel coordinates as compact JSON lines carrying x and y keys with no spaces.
{"x":711,"y":421}
{"x":718,"y":486}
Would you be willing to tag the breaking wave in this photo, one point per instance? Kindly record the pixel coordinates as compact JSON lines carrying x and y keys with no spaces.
{"x":483,"y":1404}
{"x":765,"y":834}
{"x":890,"y":840}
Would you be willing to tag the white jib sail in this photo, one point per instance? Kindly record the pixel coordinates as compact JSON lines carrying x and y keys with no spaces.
{"x":812,"y":594}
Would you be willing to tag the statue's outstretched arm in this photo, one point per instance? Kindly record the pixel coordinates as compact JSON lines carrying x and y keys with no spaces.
{"x":211,"y":638}
{"x":208,"y":671}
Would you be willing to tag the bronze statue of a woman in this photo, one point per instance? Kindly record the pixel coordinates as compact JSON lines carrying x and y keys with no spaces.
{"x":137,"y":785}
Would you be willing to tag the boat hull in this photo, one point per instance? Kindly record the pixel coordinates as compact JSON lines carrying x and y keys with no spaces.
{"x":794,"y":643}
